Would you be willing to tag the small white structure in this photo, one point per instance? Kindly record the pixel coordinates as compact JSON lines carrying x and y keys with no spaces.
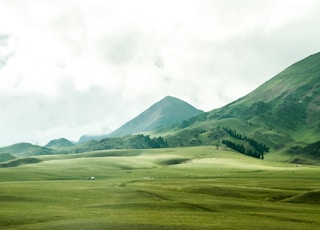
{"x":91,"y":178}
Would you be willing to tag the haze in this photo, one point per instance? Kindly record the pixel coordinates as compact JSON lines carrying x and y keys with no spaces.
{"x":74,"y":67}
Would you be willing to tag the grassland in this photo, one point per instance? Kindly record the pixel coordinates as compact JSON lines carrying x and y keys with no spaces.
{"x":180,"y":188}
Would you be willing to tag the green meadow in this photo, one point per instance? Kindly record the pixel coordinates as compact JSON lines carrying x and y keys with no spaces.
{"x":177,"y":188}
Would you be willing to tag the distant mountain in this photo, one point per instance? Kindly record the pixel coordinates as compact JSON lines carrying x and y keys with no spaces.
{"x":87,"y":137}
{"x":59,"y":143}
{"x":26,"y":149}
{"x":281,"y":113}
{"x":168,"y":111}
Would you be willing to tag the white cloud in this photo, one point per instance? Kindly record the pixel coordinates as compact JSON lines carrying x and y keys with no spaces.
{"x":75,"y":67}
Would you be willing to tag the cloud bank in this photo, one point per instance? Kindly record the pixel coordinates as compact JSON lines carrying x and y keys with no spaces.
{"x":73,"y":67}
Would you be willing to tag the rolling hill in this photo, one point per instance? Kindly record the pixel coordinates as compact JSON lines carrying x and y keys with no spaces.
{"x":6,"y":157}
{"x":26,"y":149}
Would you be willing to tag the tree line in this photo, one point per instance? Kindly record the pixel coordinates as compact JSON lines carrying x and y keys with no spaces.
{"x":156,"y":142}
{"x":258,"y":151}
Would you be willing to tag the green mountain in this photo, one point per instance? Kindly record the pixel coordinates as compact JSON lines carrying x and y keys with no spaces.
{"x":279,"y":120}
{"x":282,"y":113}
{"x":288,"y":102}
{"x":26,"y":149}
{"x":59,"y":143}
{"x":168,"y":111}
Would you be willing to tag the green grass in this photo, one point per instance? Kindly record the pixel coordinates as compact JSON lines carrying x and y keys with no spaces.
{"x":182,"y":188}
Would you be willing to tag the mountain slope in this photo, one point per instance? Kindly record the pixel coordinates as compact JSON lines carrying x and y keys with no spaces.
{"x":290,"y":99}
{"x":281,"y":113}
{"x":164,"y":113}
{"x":289,"y":102}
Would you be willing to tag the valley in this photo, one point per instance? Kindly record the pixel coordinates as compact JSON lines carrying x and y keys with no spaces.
{"x":252,"y":164}
{"x":159,"y":115}
{"x":169,"y":188}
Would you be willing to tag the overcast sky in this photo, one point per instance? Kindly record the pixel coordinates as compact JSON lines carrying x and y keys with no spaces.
{"x":70,"y":67}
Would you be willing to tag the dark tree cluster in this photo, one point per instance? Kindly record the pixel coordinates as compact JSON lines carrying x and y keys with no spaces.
{"x":156,"y":142}
{"x":233,"y":133}
{"x":258,"y":148}
{"x":238,"y":147}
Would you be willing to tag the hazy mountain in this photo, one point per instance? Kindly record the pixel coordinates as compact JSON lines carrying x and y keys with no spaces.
{"x":164,"y":113}
{"x":59,"y":143}
{"x":281,"y":113}
{"x":88,"y":137}
{"x":26,"y":149}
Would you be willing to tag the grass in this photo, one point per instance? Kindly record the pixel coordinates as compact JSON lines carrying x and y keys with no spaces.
{"x":182,"y":188}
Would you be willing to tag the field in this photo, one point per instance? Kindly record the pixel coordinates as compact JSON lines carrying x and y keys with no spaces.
{"x":179,"y":188}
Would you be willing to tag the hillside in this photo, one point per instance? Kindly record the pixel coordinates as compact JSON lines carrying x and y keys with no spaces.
{"x":281,"y":113}
{"x":6,"y":157}
{"x":289,"y":101}
{"x":26,"y":149}
{"x":59,"y":143}
{"x":168,"y":111}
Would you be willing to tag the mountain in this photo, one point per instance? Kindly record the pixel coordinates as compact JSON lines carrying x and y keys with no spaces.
{"x":87,"y":137}
{"x":281,"y":113}
{"x":168,"y":111}
{"x":289,"y":101}
{"x":26,"y":149}
{"x":59,"y":143}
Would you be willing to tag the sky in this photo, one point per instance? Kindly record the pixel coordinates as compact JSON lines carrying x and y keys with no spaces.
{"x":74,"y":67}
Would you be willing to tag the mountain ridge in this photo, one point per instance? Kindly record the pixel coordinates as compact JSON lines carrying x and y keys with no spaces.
{"x":281,"y":113}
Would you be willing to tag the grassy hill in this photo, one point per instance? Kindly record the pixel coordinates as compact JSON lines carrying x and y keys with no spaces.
{"x":6,"y":157}
{"x":281,"y":113}
{"x":26,"y":149}
{"x":125,"y":142}
{"x":63,"y":146}
{"x":289,"y":102}
{"x":59,"y":143}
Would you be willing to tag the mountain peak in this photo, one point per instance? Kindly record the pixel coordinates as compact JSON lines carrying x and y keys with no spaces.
{"x":165,"y":112}
{"x":170,"y":98}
